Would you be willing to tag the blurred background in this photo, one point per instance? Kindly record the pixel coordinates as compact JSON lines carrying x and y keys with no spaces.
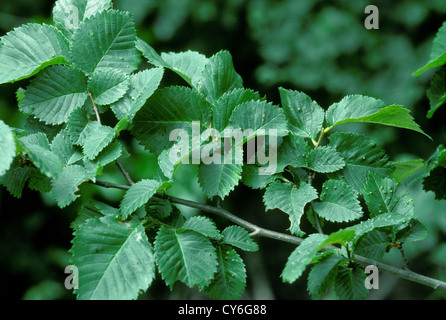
{"x":318,"y":47}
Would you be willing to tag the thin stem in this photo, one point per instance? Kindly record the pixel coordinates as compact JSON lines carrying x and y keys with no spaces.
{"x":316,"y":218}
{"x":406,"y":263}
{"x":286,"y":180}
{"x":403,"y":273}
{"x":110,"y":185}
{"x":327,"y":129}
{"x":349,"y":256}
{"x":124,"y":172}
{"x":310,"y":182}
{"x":310,"y":177}
{"x":95,"y":108}
{"x":118,"y":162}
{"x":262,"y":232}
{"x":320,"y":138}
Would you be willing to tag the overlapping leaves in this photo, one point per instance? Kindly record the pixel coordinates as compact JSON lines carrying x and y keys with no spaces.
{"x":106,"y":40}
{"x":7,"y":145}
{"x":86,"y":68}
{"x":114,"y":259}
{"x":29,"y":49}
{"x":187,"y":254}
{"x":54,"y":94}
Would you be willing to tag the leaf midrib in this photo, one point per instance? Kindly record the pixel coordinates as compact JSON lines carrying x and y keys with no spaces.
{"x":112,"y":260}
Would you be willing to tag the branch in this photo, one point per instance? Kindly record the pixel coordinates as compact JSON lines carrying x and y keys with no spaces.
{"x":124,"y":172}
{"x":403,"y":273}
{"x":110,"y":185}
{"x":262,"y":232}
{"x":259,"y":231}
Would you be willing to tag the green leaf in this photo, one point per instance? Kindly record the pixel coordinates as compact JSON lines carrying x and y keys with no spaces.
{"x":109,"y":154}
{"x":293,"y":152}
{"x":160,"y":208}
{"x":39,"y":182}
{"x":325,"y":159}
{"x":409,"y":168}
{"x":202,"y":225}
{"x":114,"y":258}
{"x":225,"y":105}
{"x":361,"y":156}
{"x":54,"y":94}
{"x":188,"y":64}
{"x":290,"y":200}
{"x":339,"y":202}
{"x":104,"y":208}
{"x":394,"y":115}
{"x":301,"y":257}
{"x":415,"y":231}
{"x":358,"y":108}
{"x":7,"y":147}
{"x":142,"y":85}
{"x":383,"y":220}
{"x":299,"y":175}
{"x":296,"y":152}
{"x":341,"y":237}
{"x":437,"y":159}
{"x":93,"y":209}
{"x":252,"y":178}
{"x":175,"y":219}
{"x":218,"y":77}
{"x":165,"y":163}
{"x":76,"y":124}
{"x":372,"y":245}
{"x":29,"y":49}
{"x":305,"y":116}
{"x":68,"y":14}
{"x":169,"y":109}
{"x":121,"y":126}
{"x":219,"y":179}
{"x":230,"y":279}
{"x":259,"y":118}
{"x":436,"y":182}
{"x":65,"y":186}
{"x":352,"y":107}
{"x":87,"y":131}
{"x":238,"y":237}
{"x":150,"y":54}
{"x":383,"y":195}
{"x":20,"y":94}
{"x":108,"y":85}
{"x":39,"y":151}
{"x":137,"y":196}
{"x":63,"y":147}
{"x":186,"y":256}
{"x":33,"y":125}
{"x":322,"y":275}
{"x":438,"y":54}
{"x":349,"y":284}
{"x":96,"y":138}
{"x":106,"y":40}
{"x":14,"y":180}
{"x":437,"y":91}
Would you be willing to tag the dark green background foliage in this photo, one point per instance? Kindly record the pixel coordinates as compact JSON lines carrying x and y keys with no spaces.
{"x":311,"y":46}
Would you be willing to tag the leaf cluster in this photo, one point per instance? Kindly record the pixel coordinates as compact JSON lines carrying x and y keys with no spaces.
{"x":435,"y":170}
{"x":80,"y":75}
